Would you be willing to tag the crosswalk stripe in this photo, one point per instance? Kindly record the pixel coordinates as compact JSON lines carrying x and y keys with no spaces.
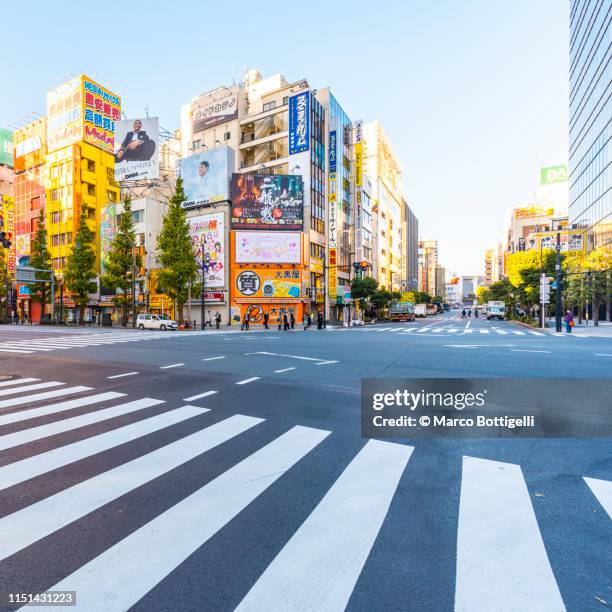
{"x":26,"y":436}
{"x":41,"y":385}
{"x":484,"y":331}
{"x":453,"y":330}
{"x":501,"y":558}
{"x":36,"y":397}
{"x":24,"y":415}
{"x":158,"y":547}
{"x":42,"y":518}
{"x":6,"y":350}
{"x":602,"y":489}
{"x":319,"y":566}
{"x":31,"y":467}
{"x":17,"y":381}
{"x":518,"y":333}
{"x":500,"y":331}
{"x":200,"y":396}
{"x":28,"y":346}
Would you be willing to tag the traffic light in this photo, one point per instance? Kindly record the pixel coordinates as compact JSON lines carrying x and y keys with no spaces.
{"x":5,"y":240}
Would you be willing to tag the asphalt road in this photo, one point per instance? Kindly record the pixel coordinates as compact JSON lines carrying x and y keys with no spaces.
{"x":231,"y":472}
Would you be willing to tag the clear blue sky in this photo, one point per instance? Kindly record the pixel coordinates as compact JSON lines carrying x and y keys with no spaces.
{"x":473,"y":93}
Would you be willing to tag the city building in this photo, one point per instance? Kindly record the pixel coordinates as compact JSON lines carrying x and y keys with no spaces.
{"x":590,"y":110}
{"x":428,"y":262}
{"x":461,"y":290}
{"x":440,"y":281}
{"x":410,"y":249}
{"x":6,"y":162}
{"x":382,"y":166}
{"x":30,"y":150}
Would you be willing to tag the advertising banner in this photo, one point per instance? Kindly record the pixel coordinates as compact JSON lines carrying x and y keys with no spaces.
{"x":23,"y":245}
{"x":572,"y":242}
{"x":205,"y":176}
{"x":527,"y":212}
{"x":6,"y":147}
{"x":554,"y":174}
{"x":7,"y":224}
{"x":271,"y":283}
{"x":136,"y":153}
{"x":299,"y":123}
{"x":65,"y":115}
{"x":101,"y":110}
{"x":108,"y":227}
{"x":209,"y":111}
{"x":208,"y":232}
{"x":333,"y":151}
{"x":266,"y":201}
{"x":268,"y":247}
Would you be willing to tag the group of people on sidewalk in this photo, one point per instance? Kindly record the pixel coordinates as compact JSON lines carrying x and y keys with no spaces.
{"x":286,"y":322}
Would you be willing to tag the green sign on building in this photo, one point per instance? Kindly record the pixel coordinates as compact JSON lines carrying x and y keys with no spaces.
{"x":553,"y":174}
{"x":6,"y":147}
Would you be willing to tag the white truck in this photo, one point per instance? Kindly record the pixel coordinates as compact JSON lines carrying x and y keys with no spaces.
{"x":420,"y":310}
{"x":496,"y":309}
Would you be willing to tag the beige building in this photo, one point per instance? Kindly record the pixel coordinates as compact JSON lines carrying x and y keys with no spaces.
{"x":382,"y":166}
{"x":428,"y":264}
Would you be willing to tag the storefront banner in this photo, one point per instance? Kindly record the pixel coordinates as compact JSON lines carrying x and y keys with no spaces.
{"x":268,"y":247}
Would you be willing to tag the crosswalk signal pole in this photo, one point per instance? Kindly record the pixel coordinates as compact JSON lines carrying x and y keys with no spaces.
{"x":558,"y":281}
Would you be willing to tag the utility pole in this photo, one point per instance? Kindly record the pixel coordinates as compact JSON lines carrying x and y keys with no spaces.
{"x":203,"y":263}
{"x":133,"y":286}
{"x":558,"y":282}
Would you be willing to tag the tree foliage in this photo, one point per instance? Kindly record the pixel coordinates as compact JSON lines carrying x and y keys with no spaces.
{"x":41,"y":258}
{"x":175,"y":251}
{"x":123,"y":262}
{"x":80,"y":267}
{"x":362,"y":289}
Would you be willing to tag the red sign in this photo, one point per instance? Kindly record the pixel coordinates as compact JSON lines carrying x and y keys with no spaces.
{"x":213,"y":296}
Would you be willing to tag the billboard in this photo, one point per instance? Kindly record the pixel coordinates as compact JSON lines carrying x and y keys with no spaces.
{"x":299,"y":122}
{"x":208,"y":231}
{"x":205,"y":176}
{"x":267,"y":201}
{"x":267,"y":283}
{"x":23,"y":245}
{"x":527,"y":212}
{"x":82,"y":110}
{"x":108,"y":227}
{"x":333,"y":151}
{"x":571,"y":242}
{"x":136,"y":153}
{"x":7,"y":224}
{"x":6,"y":147}
{"x":268,"y":247}
{"x":209,"y":111}
{"x":554,"y":174}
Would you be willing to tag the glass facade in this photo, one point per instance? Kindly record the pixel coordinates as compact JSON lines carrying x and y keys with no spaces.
{"x":590,"y":128}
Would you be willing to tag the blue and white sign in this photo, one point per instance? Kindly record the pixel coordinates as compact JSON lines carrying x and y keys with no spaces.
{"x":332,"y":151}
{"x":299,"y":122}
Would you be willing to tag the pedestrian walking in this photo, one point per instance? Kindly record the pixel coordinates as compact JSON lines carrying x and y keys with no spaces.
{"x":265,"y":319}
{"x":476,"y":312}
{"x":218,"y":319}
{"x":320,"y":320}
{"x":469,"y":313}
{"x":285,"y":322}
{"x":463,"y":314}
{"x":569,"y":321}
{"x":245,"y":322}
{"x":307,"y":321}
{"x":207,"y":322}
{"x":292,"y":320}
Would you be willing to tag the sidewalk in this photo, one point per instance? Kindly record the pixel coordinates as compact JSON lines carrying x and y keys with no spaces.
{"x":582,"y":330}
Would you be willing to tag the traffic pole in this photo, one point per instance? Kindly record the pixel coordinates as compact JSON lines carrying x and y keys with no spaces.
{"x":558,"y":281}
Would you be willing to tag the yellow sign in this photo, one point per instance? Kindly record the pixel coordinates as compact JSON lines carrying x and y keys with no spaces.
{"x":333,"y":275}
{"x":359,"y":164}
{"x":533,"y":211}
{"x":81,"y":109}
{"x":316,"y":265}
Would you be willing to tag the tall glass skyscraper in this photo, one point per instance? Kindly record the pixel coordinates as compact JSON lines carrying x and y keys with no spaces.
{"x":590,"y":152}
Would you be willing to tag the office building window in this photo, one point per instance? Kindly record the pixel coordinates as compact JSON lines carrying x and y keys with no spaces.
{"x":269,"y":105}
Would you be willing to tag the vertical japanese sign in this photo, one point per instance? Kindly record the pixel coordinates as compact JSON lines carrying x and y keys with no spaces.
{"x":332,"y":221}
{"x":108,"y":225}
{"x":332,"y":151}
{"x":101,"y":109}
{"x":358,"y":153}
{"x":299,"y":123}
{"x":7,"y":224}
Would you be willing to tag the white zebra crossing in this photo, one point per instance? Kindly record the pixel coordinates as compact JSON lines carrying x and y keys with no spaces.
{"x":501,"y":560}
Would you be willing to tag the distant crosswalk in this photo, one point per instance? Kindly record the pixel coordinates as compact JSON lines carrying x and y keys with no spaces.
{"x":501,"y":560}
{"x":23,"y":344}
{"x":439,"y":330}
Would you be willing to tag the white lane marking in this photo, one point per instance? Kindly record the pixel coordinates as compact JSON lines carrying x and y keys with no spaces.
{"x":438,"y":330}
{"x":484,"y":331}
{"x":535,"y":333}
{"x":24,"y":415}
{"x":500,"y":553}
{"x":319,"y":566}
{"x":453,"y":330}
{"x":602,"y":489}
{"x":247,"y":380}
{"x":13,"y":345}
{"x":36,"y":397}
{"x":18,"y":381}
{"x":43,"y":385}
{"x":200,"y":396}
{"x":467,"y":325}
{"x":2,"y":350}
{"x":161,"y":545}
{"x":503,"y":333}
{"x":122,"y":375}
{"x":288,"y":356}
{"x":173,"y":365}
{"x":42,"y":518}
{"x":50,"y":429}
{"x":214,"y":358}
{"x":603,"y":354}
{"x":527,"y":351}
{"x":518,"y":333}
{"x":325,"y":362}
{"x":409,"y":329}
{"x":469,"y":331}
{"x":470,"y":346}
{"x":31,"y":467}
{"x":283,"y":370}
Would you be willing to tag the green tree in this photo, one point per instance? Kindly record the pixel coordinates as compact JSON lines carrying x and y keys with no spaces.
{"x":381,"y":299}
{"x":175,"y":251}
{"x":41,"y":258}
{"x":80,"y":267}
{"x":123,"y":262}
{"x":362,"y":290}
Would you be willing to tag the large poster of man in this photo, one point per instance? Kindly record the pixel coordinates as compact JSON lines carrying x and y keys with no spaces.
{"x":136,"y":155}
{"x":267,"y":201}
{"x":205,"y":176}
